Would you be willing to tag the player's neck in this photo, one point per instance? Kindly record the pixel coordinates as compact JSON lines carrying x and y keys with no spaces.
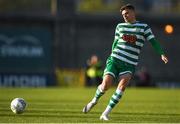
{"x":132,"y":21}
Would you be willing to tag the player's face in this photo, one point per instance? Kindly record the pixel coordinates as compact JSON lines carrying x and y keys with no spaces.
{"x":129,"y":15}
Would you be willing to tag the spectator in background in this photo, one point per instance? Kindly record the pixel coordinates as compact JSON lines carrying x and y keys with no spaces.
{"x":94,"y":71}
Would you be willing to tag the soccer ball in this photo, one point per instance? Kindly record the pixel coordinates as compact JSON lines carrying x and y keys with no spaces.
{"x":18,"y":105}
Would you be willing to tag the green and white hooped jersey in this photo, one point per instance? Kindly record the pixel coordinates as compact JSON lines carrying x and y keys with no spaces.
{"x":129,"y":39}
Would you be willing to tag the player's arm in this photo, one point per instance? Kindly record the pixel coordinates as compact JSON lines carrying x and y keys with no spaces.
{"x":150,"y":37}
{"x":159,"y":49}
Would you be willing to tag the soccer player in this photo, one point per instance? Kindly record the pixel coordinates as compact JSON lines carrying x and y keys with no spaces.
{"x":130,"y":37}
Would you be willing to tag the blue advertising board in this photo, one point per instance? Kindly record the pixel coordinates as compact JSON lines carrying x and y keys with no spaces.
{"x":27,"y":51}
{"x":26,"y":80}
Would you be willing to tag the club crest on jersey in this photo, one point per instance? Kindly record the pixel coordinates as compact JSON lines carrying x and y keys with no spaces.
{"x":129,"y":38}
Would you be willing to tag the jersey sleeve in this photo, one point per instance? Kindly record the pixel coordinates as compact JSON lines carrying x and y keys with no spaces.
{"x":148,"y":33}
{"x":157,"y":47}
{"x":149,"y":36}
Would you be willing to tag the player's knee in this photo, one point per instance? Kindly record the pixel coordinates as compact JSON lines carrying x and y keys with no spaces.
{"x":123,"y":83}
{"x":106,"y":85}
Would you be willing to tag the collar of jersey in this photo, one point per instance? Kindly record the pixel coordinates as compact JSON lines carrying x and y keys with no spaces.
{"x":132,"y":23}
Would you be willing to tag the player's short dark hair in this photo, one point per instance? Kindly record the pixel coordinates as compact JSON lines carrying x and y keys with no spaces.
{"x":127,"y":6}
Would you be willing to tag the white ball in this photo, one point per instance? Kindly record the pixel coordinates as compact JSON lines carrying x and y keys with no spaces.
{"x":18,"y":105}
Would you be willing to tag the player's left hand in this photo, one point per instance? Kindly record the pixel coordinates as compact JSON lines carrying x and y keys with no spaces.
{"x":164,"y":58}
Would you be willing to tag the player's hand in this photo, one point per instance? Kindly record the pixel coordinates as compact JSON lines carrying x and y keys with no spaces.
{"x":164,"y":58}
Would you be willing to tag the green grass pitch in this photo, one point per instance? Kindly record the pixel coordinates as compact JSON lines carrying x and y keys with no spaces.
{"x":64,"y":105}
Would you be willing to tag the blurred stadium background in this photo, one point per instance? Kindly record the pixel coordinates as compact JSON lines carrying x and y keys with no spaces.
{"x":47,"y":42}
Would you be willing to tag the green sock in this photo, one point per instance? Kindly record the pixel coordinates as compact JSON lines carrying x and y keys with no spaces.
{"x":98,"y":94}
{"x":113,"y":101}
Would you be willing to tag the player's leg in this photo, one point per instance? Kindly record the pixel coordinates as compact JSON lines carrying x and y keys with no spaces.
{"x":109,"y":75}
{"x":106,"y":83}
{"x":124,"y":80}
